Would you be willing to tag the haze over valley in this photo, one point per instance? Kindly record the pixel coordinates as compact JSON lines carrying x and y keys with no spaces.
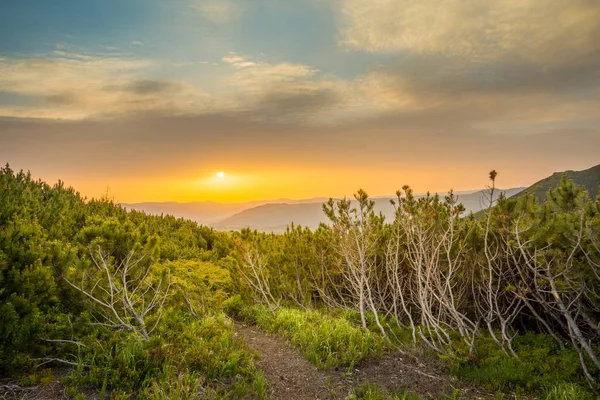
{"x":274,"y":216}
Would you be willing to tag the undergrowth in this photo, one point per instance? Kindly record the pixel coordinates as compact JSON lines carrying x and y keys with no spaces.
{"x":543,"y":367}
{"x":371,"y":391}
{"x":188,"y":358}
{"x":326,"y":341}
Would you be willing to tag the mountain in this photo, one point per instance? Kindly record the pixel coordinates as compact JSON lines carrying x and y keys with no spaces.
{"x":589,"y":178}
{"x":276,"y":217}
{"x":201,"y":212}
{"x":207,"y":212}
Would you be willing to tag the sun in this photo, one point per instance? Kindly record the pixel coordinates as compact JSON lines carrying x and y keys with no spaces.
{"x":220,"y":175}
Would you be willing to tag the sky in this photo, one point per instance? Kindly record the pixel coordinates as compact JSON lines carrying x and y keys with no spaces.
{"x":149,"y":100}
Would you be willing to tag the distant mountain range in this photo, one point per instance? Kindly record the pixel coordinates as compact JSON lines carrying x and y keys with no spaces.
{"x":276,"y":215}
{"x":208,"y":212}
{"x":589,"y":178}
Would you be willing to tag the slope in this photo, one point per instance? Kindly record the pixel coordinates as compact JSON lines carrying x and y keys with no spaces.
{"x":276,"y":217}
{"x":589,"y":178}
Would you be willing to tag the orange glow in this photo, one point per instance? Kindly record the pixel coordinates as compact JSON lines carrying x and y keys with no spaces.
{"x":267,"y":184}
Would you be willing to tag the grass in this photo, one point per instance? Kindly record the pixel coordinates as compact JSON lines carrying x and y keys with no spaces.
{"x":326,"y":341}
{"x":567,"y":391}
{"x":188,"y":358}
{"x":543,"y":368}
{"x":371,"y":391}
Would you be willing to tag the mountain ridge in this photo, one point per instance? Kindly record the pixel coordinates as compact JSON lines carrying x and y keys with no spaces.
{"x":588,"y":178}
{"x":276,"y":217}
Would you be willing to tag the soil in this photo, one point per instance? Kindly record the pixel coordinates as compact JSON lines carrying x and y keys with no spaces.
{"x":291,"y":376}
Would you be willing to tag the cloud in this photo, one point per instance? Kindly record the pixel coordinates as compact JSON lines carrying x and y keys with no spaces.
{"x":250,"y":70}
{"x":287,"y":91}
{"x":281,"y":102}
{"x":60,"y":99}
{"x":145,"y":87}
{"x":541,"y":31}
{"x":233,"y":59}
{"x":217,"y":11}
{"x":470,"y":60}
{"x":77,"y":86}
{"x":431,"y":90}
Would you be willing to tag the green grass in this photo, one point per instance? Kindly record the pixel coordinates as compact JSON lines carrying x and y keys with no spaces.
{"x":371,"y":391}
{"x":542,"y":368}
{"x":188,"y":357}
{"x":326,"y":341}
{"x":567,"y":391}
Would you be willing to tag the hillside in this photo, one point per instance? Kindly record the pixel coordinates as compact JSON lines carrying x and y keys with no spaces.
{"x":589,"y":178}
{"x":276,"y":217}
{"x":201,"y":212}
{"x":207,"y":212}
{"x":117,"y":304}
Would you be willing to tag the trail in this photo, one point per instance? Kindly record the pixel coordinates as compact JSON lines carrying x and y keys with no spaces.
{"x":291,"y":376}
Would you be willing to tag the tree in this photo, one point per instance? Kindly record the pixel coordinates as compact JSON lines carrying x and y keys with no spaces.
{"x":359,"y":238}
{"x":254,"y":271}
{"x":118,"y":279}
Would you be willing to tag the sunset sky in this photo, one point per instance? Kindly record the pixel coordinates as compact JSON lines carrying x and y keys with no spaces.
{"x":152,"y":99}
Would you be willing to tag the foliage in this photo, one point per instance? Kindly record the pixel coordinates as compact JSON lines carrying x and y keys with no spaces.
{"x":511,"y":300}
{"x":64,"y":259}
{"x":199,"y":286}
{"x":186,"y":356}
{"x":454,"y":282}
{"x":542,"y":365}
{"x":589,"y":179}
{"x":326,"y":341}
{"x":371,"y":391}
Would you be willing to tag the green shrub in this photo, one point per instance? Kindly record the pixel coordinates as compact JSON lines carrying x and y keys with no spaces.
{"x":233,"y":306}
{"x":542,"y":366}
{"x":170,"y":384}
{"x":398,"y":335}
{"x":185,"y":355}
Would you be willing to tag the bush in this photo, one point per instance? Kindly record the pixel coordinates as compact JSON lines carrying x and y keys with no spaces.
{"x":542,"y":366}
{"x":185,"y":356}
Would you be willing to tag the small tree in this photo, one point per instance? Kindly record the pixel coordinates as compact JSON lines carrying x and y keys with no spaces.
{"x":118,"y":280}
{"x":359,"y":233}
{"x":253,"y":269}
{"x":496,"y":300}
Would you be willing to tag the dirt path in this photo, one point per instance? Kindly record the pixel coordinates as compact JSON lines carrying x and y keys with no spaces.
{"x":396,"y":371}
{"x":291,"y":376}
